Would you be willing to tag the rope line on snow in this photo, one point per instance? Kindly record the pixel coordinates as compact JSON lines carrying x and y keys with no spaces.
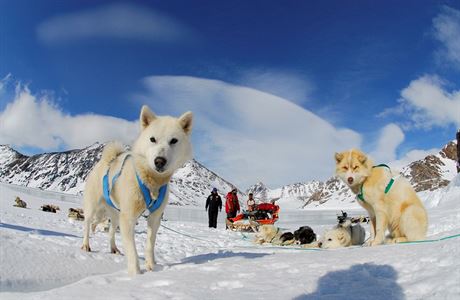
{"x":433,"y":240}
{"x":190,"y":236}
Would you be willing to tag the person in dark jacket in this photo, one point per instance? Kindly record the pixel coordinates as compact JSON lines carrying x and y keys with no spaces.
{"x":213,"y":204}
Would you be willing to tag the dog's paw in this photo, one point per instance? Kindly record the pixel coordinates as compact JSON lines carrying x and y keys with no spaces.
{"x":375,"y":243}
{"x":115,"y":251}
{"x":86,"y":248}
{"x":149,"y":266}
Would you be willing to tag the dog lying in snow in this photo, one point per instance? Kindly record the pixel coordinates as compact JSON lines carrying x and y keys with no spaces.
{"x":345,"y":234}
{"x":50,"y":208}
{"x":304,"y":235}
{"x":20,"y":203}
{"x":272,"y":234}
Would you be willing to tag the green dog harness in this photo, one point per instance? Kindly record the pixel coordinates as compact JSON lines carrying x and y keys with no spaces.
{"x":360,"y":196}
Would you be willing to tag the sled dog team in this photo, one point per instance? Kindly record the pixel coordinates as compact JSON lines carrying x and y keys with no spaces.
{"x":123,"y":185}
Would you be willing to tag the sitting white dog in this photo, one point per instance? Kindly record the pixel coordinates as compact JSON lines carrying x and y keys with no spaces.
{"x":345,"y":234}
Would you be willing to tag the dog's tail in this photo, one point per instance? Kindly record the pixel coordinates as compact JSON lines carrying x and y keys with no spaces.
{"x":111,"y":151}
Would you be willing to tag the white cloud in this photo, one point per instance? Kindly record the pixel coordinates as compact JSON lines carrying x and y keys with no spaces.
{"x":285,"y":84}
{"x":29,"y":121}
{"x":247,"y":135}
{"x":122,"y":21}
{"x":391,"y":136}
{"x":428,"y":104}
{"x":447,"y":31}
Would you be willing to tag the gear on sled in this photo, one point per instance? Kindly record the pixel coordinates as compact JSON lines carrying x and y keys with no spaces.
{"x":264,"y":213}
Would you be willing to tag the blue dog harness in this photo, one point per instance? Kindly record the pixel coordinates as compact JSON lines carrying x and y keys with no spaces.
{"x":151,"y":204}
{"x":360,"y":196}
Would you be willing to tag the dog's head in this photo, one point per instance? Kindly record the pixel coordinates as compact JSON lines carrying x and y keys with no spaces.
{"x":335,"y":238}
{"x":352,"y":167}
{"x":164,"y":141}
{"x":304,"y":235}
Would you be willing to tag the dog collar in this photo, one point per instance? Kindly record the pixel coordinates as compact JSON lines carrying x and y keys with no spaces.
{"x":360,"y":196}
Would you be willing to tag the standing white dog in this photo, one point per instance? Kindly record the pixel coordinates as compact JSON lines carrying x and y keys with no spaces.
{"x":122,"y":185}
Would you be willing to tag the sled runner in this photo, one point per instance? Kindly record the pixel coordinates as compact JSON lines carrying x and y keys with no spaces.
{"x":264,"y":213}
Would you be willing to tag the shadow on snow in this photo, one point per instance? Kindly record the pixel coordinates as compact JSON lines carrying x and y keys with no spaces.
{"x":37,"y":231}
{"x":204,"y":258}
{"x":363,"y":281}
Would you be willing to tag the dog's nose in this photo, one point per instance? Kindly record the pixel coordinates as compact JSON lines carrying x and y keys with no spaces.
{"x":160,"y":162}
{"x":320,"y":244}
{"x":350,"y":180}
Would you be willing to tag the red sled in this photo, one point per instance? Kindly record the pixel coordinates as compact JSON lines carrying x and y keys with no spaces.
{"x":263,"y":214}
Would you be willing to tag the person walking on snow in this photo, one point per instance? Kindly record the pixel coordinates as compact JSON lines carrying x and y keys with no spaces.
{"x":232,"y":206}
{"x":213,"y":203}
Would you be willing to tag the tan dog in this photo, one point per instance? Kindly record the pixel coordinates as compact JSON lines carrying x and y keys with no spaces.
{"x":391,"y":203}
{"x":161,"y":148}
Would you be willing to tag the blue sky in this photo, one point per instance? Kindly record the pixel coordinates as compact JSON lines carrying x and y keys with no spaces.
{"x":276,"y":86}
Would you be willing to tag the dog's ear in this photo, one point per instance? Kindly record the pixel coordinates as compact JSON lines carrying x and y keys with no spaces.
{"x":146,"y":117}
{"x":362,"y":158}
{"x":338,"y":157}
{"x":186,"y":122}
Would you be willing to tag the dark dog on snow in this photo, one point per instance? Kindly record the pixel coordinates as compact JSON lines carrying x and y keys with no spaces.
{"x":304,"y":235}
{"x":287,"y":238}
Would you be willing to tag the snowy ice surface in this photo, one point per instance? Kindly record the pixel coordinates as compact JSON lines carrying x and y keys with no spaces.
{"x":40,"y":258}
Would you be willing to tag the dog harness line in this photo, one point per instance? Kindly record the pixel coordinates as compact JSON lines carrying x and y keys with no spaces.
{"x":360,"y":196}
{"x":150,"y":204}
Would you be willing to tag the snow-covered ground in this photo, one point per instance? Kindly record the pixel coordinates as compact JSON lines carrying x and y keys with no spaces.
{"x":40,"y":258}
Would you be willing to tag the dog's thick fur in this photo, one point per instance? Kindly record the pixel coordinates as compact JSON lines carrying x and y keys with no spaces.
{"x":400,"y":210}
{"x":162,"y":147}
{"x":343,"y":235}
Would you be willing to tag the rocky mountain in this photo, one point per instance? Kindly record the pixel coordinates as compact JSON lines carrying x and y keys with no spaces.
{"x":59,"y":171}
{"x":67,"y":171}
{"x":434,"y":171}
{"x":190,"y":185}
{"x":305,"y":195}
{"x":428,"y":174}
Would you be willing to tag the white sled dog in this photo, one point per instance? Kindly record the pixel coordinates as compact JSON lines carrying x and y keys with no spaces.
{"x":162,"y":147}
{"x":390,"y":201}
{"x":345,"y":234}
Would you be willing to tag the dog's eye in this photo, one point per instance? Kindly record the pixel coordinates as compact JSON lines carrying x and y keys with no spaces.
{"x":173,"y":141}
{"x":355,"y":167}
{"x":329,"y":240}
{"x":153,"y":140}
{"x":345,"y":168}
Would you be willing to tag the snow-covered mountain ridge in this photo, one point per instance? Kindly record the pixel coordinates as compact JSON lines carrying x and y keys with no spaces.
{"x":67,"y":171}
{"x":190,"y":185}
{"x":427,"y":174}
